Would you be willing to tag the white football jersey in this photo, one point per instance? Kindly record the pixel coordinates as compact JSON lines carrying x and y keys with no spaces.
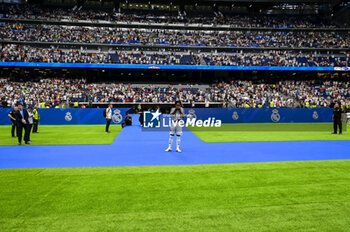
{"x":177,"y":114}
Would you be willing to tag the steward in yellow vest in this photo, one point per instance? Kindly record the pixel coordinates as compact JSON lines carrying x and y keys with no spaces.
{"x":36,"y":118}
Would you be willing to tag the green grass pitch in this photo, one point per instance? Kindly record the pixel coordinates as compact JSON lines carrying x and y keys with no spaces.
{"x":279,"y":196}
{"x":94,"y":134}
{"x":266,"y":132}
{"x":64,"y":135}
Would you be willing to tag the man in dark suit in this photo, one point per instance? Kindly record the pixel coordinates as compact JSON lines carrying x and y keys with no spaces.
{"x":141,"y":118}
{"x":22,"y":123}
{"x":12,"y":115}
{"x":337,"y":113}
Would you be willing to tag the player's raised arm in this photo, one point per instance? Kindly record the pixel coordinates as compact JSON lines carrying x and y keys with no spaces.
{"x":172,"y":111}
{"x":182,"y":112}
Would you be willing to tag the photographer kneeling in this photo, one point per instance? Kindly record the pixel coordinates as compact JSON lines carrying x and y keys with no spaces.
{"x":127,"y":120}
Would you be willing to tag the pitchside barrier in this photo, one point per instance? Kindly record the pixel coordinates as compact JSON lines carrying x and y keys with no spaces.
{"x":70,"y":116}
{"x":226,"y":115}
{"x":265,"y":115}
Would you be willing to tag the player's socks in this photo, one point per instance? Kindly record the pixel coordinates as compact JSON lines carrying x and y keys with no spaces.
{"x":178,"y":142}
{"x":171,"y":139}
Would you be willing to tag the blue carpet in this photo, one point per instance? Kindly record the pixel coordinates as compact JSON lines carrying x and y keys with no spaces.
{"x":132,"y":147}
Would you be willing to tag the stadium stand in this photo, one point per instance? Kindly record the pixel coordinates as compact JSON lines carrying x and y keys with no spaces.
{"x":241,"y":94}
{"x":19,"y":53}
{"x":83,"y":35}
{"x":163,"y":17}
{"x":109,"y":35}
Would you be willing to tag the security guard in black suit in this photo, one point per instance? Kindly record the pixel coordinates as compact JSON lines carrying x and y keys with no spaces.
{"x":12,"y":116}
{"x":337,"y":113}
{"x":22,"y":123}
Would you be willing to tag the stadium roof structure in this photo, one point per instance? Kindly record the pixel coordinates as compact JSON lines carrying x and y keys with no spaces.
{"x":273,"y":1}
{"x":333,"y":2}
{"x":329,"y":6}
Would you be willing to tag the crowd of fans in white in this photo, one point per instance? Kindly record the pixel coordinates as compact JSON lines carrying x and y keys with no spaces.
{"x":287,"y":93}
{"x":239,"y":93}
{"x":12,"y":52}
{"x":19,"y":53}
{"x":55,"y":34}
{"x":109,"y":35}
{"x":165,"y":17}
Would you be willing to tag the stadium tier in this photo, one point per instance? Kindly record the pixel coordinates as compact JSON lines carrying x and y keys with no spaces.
{"x":36,"y":12}
{"x":236,"y":94}
{"x":180,"y":38}
{"x":174,"y":115}
{"x":18,"y":53}
{"x":129,"y":37}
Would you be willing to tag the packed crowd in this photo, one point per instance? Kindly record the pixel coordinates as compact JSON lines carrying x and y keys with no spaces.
{"x":287,"y":93}
{"x":276,"y":58}
{"x":108,"y":35}
{"x":18,"y":53}
{"x":240,"y":93}
{"x":165,"y":17}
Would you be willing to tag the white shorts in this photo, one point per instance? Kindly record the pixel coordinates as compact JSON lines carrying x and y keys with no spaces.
{"x":175,"y":129}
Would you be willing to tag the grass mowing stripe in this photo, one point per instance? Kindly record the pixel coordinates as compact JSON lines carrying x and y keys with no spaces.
{"x":266,"y":132}
{"x":279,"y":196}
{"x":64,"y":135}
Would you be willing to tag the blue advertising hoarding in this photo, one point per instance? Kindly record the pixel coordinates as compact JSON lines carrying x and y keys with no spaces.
{"x":70,"y":116}
{"x":228,"y":115}
{"x":264,"y":115}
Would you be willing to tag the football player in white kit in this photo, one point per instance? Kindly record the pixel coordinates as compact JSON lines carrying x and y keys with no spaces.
{"x":177,"y":114}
